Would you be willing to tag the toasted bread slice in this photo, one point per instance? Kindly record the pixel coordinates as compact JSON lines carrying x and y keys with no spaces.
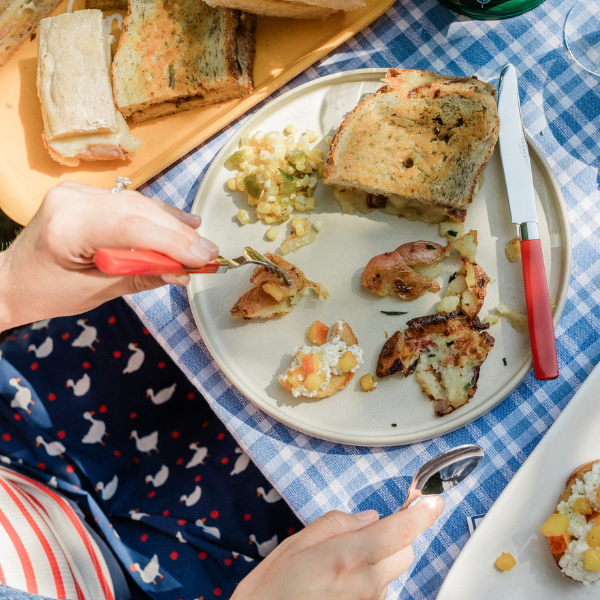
{"x":341,"y":331}
{"x":445,"y":351}
{"x":173,"y":56}
{"x":106,"y":4}
{"x":573,"y":542}
{"x":272,"y":297}
{"x":18,"y":19}
{"x":416,"y":147}
{"x":393,"y":274}
{"x":307,"y":9}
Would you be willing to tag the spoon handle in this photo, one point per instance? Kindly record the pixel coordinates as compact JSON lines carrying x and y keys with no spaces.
{"x":413,"y":494}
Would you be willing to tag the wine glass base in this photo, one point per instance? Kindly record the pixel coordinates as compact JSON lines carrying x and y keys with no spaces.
{"x":582,"y":34}
{"x":496,"y":9}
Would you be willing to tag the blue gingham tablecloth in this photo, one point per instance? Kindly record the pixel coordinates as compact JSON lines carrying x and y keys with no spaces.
{"x":561,"y":111}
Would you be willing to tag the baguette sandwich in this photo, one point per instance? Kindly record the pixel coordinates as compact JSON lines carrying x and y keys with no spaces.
{"x":74,"y":88}
{"x":173,"y":56}
{"x":415,"y":148}
{"x":18,"y":19}
{"x":306,"y":9}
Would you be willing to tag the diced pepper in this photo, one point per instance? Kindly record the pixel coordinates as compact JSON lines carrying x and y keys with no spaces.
{"x":310,"y":363}
{"x":237,"y":157}
{"x":347,"y":362}
{"x":252,"y":187}
{"x":317,"y":333}
{"x":556,"y":524}
{"x":506,"y":561}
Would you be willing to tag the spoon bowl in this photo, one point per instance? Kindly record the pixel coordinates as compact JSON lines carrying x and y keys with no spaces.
{"x":444,"y":472}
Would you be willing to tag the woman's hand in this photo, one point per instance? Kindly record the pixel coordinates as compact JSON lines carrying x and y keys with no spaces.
{"x":341,"y":556}
{"x":49,"y":271}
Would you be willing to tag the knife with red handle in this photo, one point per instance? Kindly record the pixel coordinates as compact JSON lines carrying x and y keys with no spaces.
{"x":521,"y":200}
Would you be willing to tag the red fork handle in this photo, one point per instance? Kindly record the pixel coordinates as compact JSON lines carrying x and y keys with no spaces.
{"x":539,"y":315}
{"x":113,"y":261}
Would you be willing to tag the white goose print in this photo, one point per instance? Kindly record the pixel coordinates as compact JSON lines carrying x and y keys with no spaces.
{"x":272,"y":496}
{"x":199,"y":455}
{"x":108,"y":490}
{"x":210,"y":530}
{"x":163,"y":396}
{"x":160,"y":478}
{"x":97,"y":430}
{"x":52,"y":448}
{"x":265,"y":548}
{"x":146,"y":443}
{"x":242,"y":461}
{"x":44,"y":349}
{"x":135,"y":360}
{"x":193,"y":497}
{"x":87,"y":337}
{"x":23,"y":397}
{"x":150,"y":572}
{"x":82,"y":386}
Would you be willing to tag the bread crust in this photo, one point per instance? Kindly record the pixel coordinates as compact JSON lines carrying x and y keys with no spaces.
{"x":337,"y":383}
{"x":564,"y":497}
{"x":419,"y":155}
{"x":177,"y":56}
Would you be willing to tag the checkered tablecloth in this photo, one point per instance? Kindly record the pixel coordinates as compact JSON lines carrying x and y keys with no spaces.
{"x":561,"y":111}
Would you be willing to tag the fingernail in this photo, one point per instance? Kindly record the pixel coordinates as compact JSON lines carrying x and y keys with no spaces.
{"x":200,"y":251}
{"x":209,"y":245}
{"x":367,"y":515}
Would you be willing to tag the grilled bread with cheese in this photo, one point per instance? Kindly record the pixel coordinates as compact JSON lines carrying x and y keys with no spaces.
{"x":326,"y":369}
{"x":75,"y":92}
{"x":173,"y":56}
{"x":306,"y":9}
{"x":271,"y":297}
{"x":573,"y":531}
{"x":444,"y":351}
{"x":18,"y":19}
{"x":415,"y":148}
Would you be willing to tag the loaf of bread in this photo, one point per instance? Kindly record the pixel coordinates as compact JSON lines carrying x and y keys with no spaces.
{"x":176,"y":56}
{"x":18,"y":19}
{"x":416,"y":147}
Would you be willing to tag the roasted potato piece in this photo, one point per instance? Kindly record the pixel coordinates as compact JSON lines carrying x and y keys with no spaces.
{"x":393,"y":274}
{"x":272,"y":297}
{"x":445,"y":350}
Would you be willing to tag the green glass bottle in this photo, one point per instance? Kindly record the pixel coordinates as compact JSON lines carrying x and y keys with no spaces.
{"x":492,"y":9}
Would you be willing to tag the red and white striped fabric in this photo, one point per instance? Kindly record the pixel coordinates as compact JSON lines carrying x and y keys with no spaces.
{"x":44,"y":547}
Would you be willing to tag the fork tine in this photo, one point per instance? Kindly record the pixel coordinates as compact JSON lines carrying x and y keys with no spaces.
{"x":255,"y":256}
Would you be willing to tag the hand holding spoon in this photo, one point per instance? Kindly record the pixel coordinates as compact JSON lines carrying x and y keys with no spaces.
{"x":444,"y":472}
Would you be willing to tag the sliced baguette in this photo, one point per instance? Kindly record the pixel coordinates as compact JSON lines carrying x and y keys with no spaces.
{"x":337,"y":383}
{"x":176,"y":56}
{"x":307,"y":9}
{"x":423,"y":139}
{"x":18,"y":19}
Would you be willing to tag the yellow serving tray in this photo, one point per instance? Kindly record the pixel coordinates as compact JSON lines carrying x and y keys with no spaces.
{"x":284,"y":48}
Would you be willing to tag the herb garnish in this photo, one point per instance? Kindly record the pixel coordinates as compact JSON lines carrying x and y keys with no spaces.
{"x":287,"y":175}
{"x":429,"y":247}
{"x":504,"y":361}
{"x":450,"y":343}
{"x":393,"y":312}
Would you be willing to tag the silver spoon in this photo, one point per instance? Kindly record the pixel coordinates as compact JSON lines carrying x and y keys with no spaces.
{"x":444,"y":472}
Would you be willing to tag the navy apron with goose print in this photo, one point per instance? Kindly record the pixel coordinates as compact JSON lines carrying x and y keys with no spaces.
{"x":92,"y":406}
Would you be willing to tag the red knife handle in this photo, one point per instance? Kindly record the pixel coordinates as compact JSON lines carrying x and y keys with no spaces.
{"x":539,"y":315}
{"x":113,"y":261}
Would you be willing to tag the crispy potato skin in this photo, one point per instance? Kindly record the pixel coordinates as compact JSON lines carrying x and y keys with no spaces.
{"x":337,"y":382}
{"x":481,"y":281}
{"x":257,"y":303}
{"x":392,"y":273}
{"x":573,"y":477}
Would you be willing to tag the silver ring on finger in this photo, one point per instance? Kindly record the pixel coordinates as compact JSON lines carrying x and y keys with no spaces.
{"x":122,"y":183}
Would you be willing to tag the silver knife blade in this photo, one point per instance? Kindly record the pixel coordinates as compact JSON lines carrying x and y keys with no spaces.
{"x":513,"y":150}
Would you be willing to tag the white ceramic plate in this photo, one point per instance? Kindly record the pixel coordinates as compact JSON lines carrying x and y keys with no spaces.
{"x":253,"y":353}
{"x":513,"y":523}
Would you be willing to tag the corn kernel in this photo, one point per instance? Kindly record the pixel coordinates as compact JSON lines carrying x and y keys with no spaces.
{"x":243,"y":216}
{"x":318,"y":225}
{"x":271,"y":138}
{"x":312,"y":135}
{"x":299,"y":229}
{"x":367,"y":383}
{"x":276,"y":209}
{"x":291,"y":129}
{"x":297,"y":220}
{"x":257,"y":137}
{"x":269,"y":220}
{"x":311,"y":203}
{"x":231,"y":184}
{"x":328,"y":140}
{"x":245,"y":140}
{"x":272,"y":233}
{"x":299,"y":206}
{"x":264,"y":207}
{"x":318,"y":153}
